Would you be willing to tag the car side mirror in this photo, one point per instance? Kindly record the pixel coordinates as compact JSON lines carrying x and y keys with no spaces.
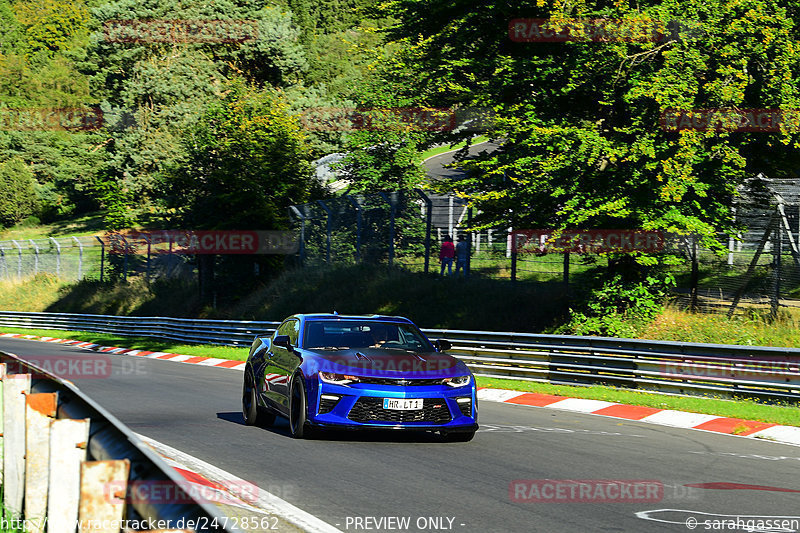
{"x":282,"y":340}
{"x":442,"y":345}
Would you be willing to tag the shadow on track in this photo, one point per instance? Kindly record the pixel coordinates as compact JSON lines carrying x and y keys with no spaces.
{"x":281,"y":427}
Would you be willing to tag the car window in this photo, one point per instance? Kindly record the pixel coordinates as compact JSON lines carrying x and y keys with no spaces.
{"x":345,"y":334}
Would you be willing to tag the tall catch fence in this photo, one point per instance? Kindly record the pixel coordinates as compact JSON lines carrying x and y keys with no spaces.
{"x":408,"y":229}
{"x":757,"y":267}
{"x":90,"y":257}
{"x":64,"y":257}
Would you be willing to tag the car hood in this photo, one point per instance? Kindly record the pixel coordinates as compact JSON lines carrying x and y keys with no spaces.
{"x":387,"y":362}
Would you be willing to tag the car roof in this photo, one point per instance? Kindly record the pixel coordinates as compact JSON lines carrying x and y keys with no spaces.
{"x":330,"y":316}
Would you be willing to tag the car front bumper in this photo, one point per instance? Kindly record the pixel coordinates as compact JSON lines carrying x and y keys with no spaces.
{"x":361,"y":406}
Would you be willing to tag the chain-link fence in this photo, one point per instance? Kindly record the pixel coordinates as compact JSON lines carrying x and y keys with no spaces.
{"x":88,"y":257}
{"x":759,"y":267}
{"x":408,"y":229}
{"x":64,"y":257}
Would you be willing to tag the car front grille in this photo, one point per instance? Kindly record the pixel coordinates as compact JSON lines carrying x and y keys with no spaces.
{"x":466,"y":408}
{"x":402,"y":382}
{"x":434,"y":411}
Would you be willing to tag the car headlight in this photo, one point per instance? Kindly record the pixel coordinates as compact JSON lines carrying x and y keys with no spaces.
{"x":338,"y":379}
{"x":459,"y":381}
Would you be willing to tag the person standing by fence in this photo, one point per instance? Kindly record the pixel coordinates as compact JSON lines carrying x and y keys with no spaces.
{"x":446,"y":255}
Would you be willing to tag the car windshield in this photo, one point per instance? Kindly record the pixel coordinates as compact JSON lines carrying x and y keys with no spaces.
{"x":345,"y":334}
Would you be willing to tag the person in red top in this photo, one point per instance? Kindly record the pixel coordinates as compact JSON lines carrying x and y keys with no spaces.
{"x":446,"y":255}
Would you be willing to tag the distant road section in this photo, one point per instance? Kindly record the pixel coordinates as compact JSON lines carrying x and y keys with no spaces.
{"x":436,"y":166}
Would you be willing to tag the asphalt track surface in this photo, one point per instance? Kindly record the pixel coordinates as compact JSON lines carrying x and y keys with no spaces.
{"x":346,"y":476}
{"x":436,"y":166}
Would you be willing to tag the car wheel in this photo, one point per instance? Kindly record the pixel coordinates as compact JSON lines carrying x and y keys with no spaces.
{"x":253,"y":414}
{"x":298,"y":421}
{"x":458,"y":436}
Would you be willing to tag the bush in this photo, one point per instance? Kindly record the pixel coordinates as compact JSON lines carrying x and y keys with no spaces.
{"x":620,"y":308}
{"x":18,"y":200}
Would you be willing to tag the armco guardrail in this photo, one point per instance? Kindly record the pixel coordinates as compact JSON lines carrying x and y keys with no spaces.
{"x":672,"y":367}
{"x":195,"y":331}
{"x":73,"y":461}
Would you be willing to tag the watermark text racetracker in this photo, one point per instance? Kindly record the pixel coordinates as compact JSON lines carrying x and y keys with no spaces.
{"x":199,"y":523}
{"x":203,"y":242}
{"x":731,"y":120}
{"x":599,"y":30}
{"x":88,"y":118}
{"x":586,"y":491}
{"x":170,"y":492}
{"x":396,"y":119}
{"x":79,"y":366}
{"x":541,"y":241}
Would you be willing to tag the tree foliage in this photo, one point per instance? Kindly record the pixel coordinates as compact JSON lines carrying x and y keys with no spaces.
{"x":18,"y":200}
{"x":580,"y":120}
{"x":246,"y":163}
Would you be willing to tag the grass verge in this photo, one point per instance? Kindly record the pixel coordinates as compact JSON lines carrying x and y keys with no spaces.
{"x":744,"y":409}
{"x":753,"y":328}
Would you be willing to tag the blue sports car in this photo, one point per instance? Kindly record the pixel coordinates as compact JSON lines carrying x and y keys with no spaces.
{"x":380,"y":372}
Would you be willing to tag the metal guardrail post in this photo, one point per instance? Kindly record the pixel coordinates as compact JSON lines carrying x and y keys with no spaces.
{"x":428,"y":223}
{"x":469,"y":245}
{"x":359,"y":216}
{"x":58,"y":256}
{"x":14,"y":391}
{"x":513,"y":259}
{"x":80,"y":257}
{"x":777,"y":251}
{"x":19,"y":259}
{"x":125,"y":261}
{"x":102,"y":256}
{"x":302,"y":251}
{"x":695,"y":275}
{"x":36,"y":257}
{"x":147,"y":268}
{"x":392,"y":200}
{"x":327,"y":231}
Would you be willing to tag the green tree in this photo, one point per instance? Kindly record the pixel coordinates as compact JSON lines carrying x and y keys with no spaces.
{"x":18,"y":200}
{"x":580,"y":120}
{"x":246,"y":162}
{"x":164,"y":87}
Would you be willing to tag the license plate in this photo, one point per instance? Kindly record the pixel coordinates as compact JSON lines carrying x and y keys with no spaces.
{"x":404,"y":404}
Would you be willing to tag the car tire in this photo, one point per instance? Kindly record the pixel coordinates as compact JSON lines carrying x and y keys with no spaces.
{"x":458,"y":436}
{"x":298,"y":408}
{"x":253,"y":414}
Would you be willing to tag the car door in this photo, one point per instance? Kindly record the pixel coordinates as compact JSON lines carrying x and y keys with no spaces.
{"x":282,"y":363}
